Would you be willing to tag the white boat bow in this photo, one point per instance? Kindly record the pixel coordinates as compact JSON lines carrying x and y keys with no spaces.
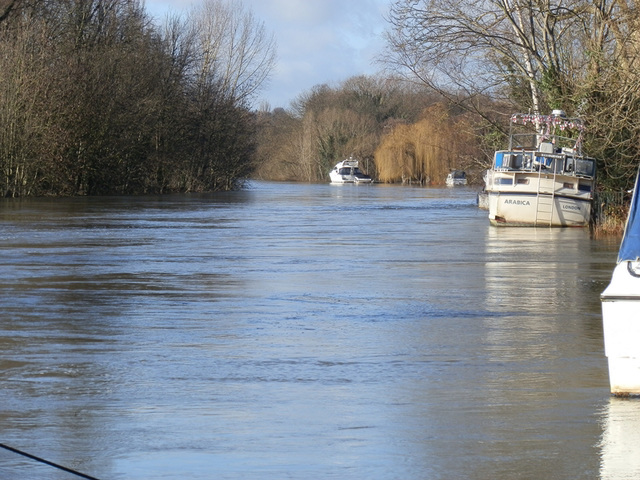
{"x":621,"y":310}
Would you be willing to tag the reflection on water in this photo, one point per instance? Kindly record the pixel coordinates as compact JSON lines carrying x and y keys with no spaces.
{"x":540,"y":280}
{"x":621,"y":440}
{"x":300,"y":331}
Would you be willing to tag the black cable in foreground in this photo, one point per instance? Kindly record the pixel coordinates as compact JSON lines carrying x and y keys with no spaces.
{"x":47,"y":462}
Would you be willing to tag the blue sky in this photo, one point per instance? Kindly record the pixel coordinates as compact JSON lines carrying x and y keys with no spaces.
{"x":319,"y":41}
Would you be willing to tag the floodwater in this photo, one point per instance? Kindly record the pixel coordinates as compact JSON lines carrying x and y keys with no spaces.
{"x":304,"y":332}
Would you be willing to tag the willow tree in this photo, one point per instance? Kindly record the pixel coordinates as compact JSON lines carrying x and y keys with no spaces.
{"x":426,"y":151}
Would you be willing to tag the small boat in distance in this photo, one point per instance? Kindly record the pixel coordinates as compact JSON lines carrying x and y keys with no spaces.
{"x":542,"y":179}
{"x":456,"y":178}
{"x":347,"y":171}
{"x":620,"y":307}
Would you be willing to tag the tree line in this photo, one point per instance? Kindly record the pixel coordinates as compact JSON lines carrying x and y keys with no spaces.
{"x":97,"y":99}
{"x":400,"y":133}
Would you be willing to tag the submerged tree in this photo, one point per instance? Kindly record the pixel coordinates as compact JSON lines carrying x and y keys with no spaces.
{"x":94,"y":99}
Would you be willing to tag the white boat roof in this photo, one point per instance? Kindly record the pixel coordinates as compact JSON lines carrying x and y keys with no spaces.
{"x":347,"y":163}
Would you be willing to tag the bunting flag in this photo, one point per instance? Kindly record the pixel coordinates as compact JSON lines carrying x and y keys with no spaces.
{"x":549,"y":121}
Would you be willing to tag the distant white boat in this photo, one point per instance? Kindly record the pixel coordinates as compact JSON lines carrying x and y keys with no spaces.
{"x":347,"y":171}
{"x":621,"y":309}
{"x":456,"y":178}
{"x":542,"y":179}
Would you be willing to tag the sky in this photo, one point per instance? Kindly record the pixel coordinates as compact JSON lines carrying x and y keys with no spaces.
{"x":318,"y":41}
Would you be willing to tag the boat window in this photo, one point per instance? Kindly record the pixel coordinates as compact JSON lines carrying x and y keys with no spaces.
{"x":569,"y":165}
{"x":522,"y":181}
{"x":568,"y":185}
{"x":584,"y":167}
{"x":584,"y":187}
{"x":505,"y":181}
{"x":516,"y":161}
{"x":508,"y":160}
{"x":511,"y":160}
{"x":546,"y":162}
{"x":557,"y":165}
{"x":345,"y":171}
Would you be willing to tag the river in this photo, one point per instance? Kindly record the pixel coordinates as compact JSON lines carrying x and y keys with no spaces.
{"x":304,"y":332}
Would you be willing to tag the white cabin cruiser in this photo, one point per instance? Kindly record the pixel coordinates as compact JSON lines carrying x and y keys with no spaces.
{"x":456,"y":178}
{"x":621,"y":309}
{"x":542,"y":179}
{"x":347,"y":171}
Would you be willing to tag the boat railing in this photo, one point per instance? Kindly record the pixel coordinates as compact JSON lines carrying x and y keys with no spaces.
{"x":557,"y":129}
{"x":533,"y":141}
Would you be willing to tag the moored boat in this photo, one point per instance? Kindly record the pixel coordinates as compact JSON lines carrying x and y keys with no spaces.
{"x":348,"y":171}
{"x":456,"y":178}
{"x":621,"y":309}
{"x":542,"y":179}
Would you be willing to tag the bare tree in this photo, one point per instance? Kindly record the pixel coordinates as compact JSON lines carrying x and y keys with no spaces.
{"x":94,"y":100}
{"x":235,"y":49}
{"x":496,"y":46}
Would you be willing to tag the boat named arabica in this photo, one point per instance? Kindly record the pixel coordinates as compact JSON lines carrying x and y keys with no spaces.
{"x":542,"y":179}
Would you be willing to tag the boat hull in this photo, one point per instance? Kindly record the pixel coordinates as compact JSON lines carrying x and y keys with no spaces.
{"x":531,"y":210}
{"x":456,"y":182}
{"x":483,"y":201}
{"x":341,"y":181}
{"x":621,"y":324}
{"x":535,"y":199}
